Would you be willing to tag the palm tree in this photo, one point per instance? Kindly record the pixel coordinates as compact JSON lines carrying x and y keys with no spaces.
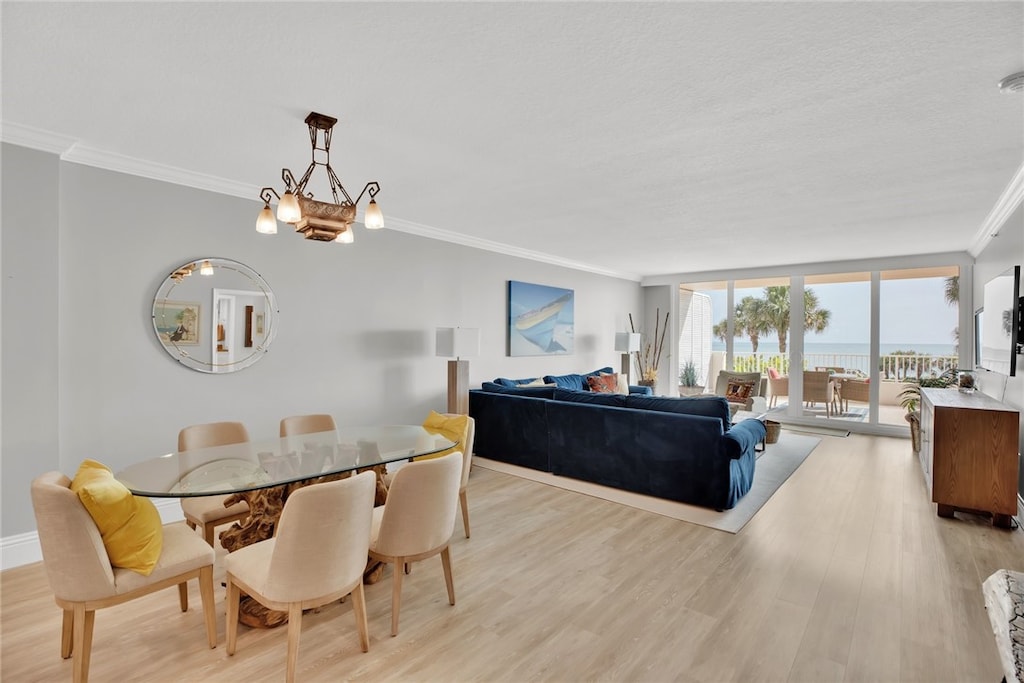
{"x":720,"y":330}
{"x":752,"y":319}
{"x":816,"y":319}
{"x":951,"y":290}
{"x":951,"y":293}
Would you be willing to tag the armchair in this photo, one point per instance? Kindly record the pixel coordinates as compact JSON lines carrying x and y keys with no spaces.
{"x":722,"y":386}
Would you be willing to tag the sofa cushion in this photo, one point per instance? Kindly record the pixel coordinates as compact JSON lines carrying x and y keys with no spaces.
{"x":603,"y":384}
{"x":130,"y":525}
{"x":519,"y":390}
{"x":708,"y":406}
{"x":505,"y":382}
{"x":739,"y":390}
{"x":452,"y":427}
{"x":592,"y":397}
{"x":574,"y":382}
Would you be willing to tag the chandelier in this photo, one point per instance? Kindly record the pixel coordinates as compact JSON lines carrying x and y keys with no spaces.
{"x":317,"y":220}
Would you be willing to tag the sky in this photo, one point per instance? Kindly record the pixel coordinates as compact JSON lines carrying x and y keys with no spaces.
{"x":912,"y":312}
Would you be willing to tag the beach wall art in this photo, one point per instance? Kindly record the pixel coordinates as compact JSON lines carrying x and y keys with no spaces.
{"x":540,"y":320}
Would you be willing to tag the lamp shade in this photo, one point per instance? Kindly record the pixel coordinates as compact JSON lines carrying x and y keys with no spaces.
{"x":627,"y":342}
{"x":458,"y":342}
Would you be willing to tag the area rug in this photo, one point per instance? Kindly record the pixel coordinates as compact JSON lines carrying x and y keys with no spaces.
{"x":774,"y":466}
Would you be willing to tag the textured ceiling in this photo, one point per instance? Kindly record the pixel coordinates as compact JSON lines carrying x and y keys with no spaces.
{"x":637,"y":138}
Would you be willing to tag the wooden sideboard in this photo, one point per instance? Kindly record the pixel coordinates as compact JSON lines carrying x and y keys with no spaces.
{"x":969,"y":453}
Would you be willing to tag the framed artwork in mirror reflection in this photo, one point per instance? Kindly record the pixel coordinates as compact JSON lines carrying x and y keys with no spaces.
{"x":177,"y":322}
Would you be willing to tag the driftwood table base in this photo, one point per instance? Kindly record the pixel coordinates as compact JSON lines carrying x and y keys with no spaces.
{"x":265,"y":507}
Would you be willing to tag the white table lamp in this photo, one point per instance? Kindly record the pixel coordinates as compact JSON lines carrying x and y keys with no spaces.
{"x":458,"y":343}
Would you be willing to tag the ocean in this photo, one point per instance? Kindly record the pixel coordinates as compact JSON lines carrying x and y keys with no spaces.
{"x":742,"y":346}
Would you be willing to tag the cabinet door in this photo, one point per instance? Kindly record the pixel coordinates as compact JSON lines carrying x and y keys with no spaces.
{"x":927,"y":442}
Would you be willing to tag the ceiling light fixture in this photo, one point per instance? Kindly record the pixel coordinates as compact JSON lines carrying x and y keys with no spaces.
{"x":318,"y":220}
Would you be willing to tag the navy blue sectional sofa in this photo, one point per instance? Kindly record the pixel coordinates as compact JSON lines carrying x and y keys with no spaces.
{"x":682,"y":449}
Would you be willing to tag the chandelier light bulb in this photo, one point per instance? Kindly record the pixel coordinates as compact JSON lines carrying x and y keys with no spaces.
{"x":206,"y":268}
{"x":288,"y":210}
{"x":266,"y":224}
{"x":345,"y":237}
{"x":374,"y":218}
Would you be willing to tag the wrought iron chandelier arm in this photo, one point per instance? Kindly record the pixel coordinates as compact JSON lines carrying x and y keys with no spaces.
{"x":268,"y":193}
{"x":373,"y":187}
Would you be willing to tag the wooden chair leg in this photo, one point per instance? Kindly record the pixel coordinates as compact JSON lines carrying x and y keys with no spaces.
{"x":294,"y":631}
{"x":359,"y":609}
{"x":183,"y":595}
{"x":65,"y":633}
{"x":234,"y":595}
{"x":446,"y":563}
{"x":208,"y":533}
{"x":396,"y":595}
{"x":464,"y":503}
{"x":82,"y":636}
{"x":206,"y":593}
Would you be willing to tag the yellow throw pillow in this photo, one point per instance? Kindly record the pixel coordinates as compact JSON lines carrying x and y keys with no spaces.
{"x":130,"y":525}
{"x":454,"y":428}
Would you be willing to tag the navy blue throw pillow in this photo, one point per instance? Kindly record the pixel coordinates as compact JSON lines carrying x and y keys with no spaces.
{"x":572,"y":382}
{"x":593,"y":397}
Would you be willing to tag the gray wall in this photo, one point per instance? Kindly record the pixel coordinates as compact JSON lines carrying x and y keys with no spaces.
{"x":1002,"y":252}
{"x":84,"y":376}
{"x":29,"y":385}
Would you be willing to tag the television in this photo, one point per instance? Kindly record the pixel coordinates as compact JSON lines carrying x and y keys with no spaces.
{"x":1000,"y":325}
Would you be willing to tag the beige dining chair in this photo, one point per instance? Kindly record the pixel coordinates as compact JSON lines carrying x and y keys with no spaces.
{"x":417,"y":521}
{"x":209,"y":512}
{"x":306,"y":424}
{"x":317,"y":557}
{"x":83,"y":580}
{"x":467,"y":463}
{"x":818,"y":386}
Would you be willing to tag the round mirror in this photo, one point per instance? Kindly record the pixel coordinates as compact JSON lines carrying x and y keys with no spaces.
{"x":215,"y":315}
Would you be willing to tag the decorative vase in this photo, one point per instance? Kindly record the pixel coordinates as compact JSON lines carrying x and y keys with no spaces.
{"x":685,"y":390}
{"x":652,"y":383}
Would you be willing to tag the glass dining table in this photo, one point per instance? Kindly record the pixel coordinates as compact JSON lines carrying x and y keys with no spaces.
{"x":255,"y":465}
{"x":264,"y":473}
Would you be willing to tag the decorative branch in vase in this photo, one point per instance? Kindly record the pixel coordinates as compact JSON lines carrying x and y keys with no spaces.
{"x":648,"y":357}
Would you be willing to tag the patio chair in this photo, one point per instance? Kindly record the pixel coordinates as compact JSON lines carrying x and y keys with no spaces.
{"x":854,"y":390}
{"x":778,"y":385}
{"x":818,"y":386}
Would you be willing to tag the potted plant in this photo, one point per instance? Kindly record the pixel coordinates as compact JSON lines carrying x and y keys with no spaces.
{"x":910,"y":399}
{"x":688,"y":380}
{"x":649,"y":356}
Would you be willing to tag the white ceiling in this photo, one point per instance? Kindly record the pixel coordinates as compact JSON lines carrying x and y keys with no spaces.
{"x":636,"y":138}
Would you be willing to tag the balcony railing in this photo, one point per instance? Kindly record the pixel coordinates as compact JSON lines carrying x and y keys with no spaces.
{"x":895,"y":367}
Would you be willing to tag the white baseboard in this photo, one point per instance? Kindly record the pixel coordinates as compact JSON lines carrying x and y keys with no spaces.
{"x":22,"y":549}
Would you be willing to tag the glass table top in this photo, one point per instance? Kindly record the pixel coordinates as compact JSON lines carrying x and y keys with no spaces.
{"x":223,"y":470}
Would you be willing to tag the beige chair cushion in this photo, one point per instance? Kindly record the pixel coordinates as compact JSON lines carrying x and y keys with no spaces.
{"x":321,"y":544}
{"x":420,"y":512}
{"x":183,"y":551}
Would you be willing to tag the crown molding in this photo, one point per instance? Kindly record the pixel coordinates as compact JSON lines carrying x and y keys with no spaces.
{"x":111,"y":161}
{"x":35,"y":138}
{"x":1007,"y":203}
{"x":72,"y":151}
{"x":399,"y":225}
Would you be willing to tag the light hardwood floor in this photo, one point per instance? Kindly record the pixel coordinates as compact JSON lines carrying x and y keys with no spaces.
{"x":846,"y":574}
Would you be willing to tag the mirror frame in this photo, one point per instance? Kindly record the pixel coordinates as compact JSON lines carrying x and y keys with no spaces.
{"x":183,"y":353}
